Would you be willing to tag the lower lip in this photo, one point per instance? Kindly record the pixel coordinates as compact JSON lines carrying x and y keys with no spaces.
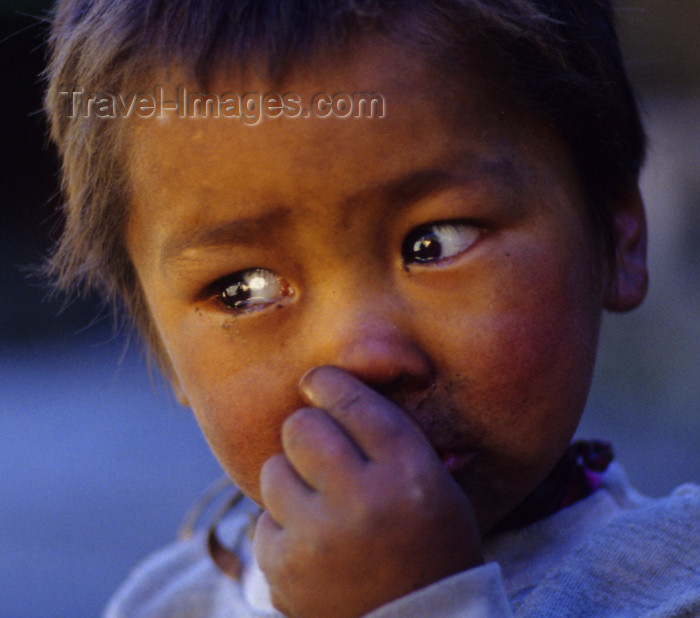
{"x":456,"y":462}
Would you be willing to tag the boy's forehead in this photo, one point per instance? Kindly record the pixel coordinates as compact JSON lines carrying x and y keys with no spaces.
{"x":428,"y":138}
{"x":418,"y":106}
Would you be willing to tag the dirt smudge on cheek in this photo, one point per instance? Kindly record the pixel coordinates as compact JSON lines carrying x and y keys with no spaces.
{"x":445,"y":417}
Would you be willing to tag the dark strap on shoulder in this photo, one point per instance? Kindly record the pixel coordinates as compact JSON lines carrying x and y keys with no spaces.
{"x":576,"y":476}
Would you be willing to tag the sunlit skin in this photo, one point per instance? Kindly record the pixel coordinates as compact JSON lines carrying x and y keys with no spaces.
{"x":458,"y":375}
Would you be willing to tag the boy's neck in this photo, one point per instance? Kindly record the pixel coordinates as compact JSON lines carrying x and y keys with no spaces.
{"x":576,"y":476}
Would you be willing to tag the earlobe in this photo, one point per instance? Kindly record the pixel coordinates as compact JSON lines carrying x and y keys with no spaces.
{"x":180,"y":394}
{"x":627,"y":282}
{"x":178,"y":391}
{"x":169,"y":374}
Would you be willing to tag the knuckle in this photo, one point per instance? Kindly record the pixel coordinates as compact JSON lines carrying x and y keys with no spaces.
{"x":348,"y":400}
{"x":262,"y":540}
{"x":419,"y":482}
{"x":393,"y":433}
{"x":317,"y":547}
{"x":270,"y":471}
{"x":298,"y":428}
{"x":298,"y":422}
{"x":370,"y":513}
{"x":416,"y":498}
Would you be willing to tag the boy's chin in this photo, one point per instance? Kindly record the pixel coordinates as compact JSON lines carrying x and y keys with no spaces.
{"x":491,"y":499}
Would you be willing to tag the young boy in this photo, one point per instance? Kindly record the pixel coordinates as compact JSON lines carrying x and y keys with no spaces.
{"x":384,"y":319}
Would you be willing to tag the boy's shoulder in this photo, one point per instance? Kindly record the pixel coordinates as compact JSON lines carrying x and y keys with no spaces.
{"x":177,"y":580}
{"x":181,"y":580}
{"x":644,"y":560}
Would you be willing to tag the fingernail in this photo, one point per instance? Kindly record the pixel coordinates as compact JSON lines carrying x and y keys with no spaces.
{"x":306,"y":382}
{"x":309,"y":384}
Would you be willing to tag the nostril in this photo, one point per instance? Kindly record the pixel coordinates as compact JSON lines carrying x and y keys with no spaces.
{"x":388,"y":364}
{"x":397,"y":389}
{"x":407,"y":389}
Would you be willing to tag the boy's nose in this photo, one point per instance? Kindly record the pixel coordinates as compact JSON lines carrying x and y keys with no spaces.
{"x":383,"y":359}
{"x":376,"y":348}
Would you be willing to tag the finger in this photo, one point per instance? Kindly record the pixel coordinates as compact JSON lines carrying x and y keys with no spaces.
{"x":320,"y":450}
{"x":266,"y":540}
{"x":271,"y":550}
{"x":375,"y":424}
{"x":284,"y":493}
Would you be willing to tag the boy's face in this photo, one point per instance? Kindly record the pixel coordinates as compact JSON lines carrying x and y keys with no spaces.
{"x":442,"y":254}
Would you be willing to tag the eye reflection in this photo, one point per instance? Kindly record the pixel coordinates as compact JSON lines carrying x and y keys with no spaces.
{"x":437,"y":241}
{"x":254,"y":288}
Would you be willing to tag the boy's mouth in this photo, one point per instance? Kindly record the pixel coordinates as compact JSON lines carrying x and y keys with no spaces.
{"x":455,"y":462}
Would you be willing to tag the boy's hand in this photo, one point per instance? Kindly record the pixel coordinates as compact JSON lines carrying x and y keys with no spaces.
{"x":359,"y":509}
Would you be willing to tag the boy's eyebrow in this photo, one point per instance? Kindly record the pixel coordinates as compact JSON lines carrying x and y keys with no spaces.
{"x":423,"y":182}
{"x":240,"y":231}
{"x":417,"y":185}
{"x":405,"y":190}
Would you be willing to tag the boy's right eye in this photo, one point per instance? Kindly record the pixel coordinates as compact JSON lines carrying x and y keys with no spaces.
{"x":248,"y":290}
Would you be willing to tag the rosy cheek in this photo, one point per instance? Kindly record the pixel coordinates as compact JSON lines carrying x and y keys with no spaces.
{"x":539,"y":369}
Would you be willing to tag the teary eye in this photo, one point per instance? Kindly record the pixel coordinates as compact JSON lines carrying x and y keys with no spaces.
{"x":249,"y":289}
{"x":438,"y":241}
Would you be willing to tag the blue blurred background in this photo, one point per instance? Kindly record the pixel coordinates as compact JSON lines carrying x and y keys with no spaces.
{"x":99,"y":463}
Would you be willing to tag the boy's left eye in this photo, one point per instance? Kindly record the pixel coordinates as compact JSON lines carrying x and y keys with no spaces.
{"x":438,"y":241}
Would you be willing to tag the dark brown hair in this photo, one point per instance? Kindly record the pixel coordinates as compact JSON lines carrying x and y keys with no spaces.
{"x":561,"y":56}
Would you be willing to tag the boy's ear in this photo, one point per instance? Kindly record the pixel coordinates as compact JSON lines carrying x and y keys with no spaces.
{"x":627,"y":279}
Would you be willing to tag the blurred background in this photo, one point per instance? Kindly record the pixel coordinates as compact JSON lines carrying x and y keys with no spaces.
{"x":99,"y":463}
